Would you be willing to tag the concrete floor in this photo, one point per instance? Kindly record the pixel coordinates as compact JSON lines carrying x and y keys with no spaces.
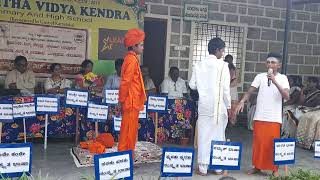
{"x":57,"y":162}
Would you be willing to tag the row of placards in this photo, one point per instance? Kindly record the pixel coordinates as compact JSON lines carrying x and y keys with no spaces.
{"x":74,"y":98}
{"x":176,"y":162}
{"x":79,"y":98}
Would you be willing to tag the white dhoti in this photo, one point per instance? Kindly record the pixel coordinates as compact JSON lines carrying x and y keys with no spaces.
{"x":211,"y":78}
{"x":208,"y":131}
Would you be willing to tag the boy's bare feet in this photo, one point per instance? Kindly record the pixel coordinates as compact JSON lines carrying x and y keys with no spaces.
{"x":200,"y":173}
{"x":275,"y":173}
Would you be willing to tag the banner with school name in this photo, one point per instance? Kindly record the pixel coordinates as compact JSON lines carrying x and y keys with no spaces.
{"x":88,"y":17}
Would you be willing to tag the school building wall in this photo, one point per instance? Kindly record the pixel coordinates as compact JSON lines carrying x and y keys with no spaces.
{"x":264,"y":21}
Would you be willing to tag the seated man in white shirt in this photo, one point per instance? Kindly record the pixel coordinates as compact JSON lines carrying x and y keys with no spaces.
{"x":174,"y":86}
{"x":113,"y":81}
{"x":21,"y":78}
{"x":148,"y":82}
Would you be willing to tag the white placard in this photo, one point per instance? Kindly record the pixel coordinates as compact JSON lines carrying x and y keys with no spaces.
{"x":96,"y":111}
{"x":225,"y":155}
{"x":317,"y":149}
{"x":284,"y":151}
{"x":42,"y":43}
{"x":24,"y":110}
{"x":112,"y":96}
{"x":196,"y":12}
{"x":157,"y":103}
{"x":13,"y":160}
{"x":117,"y":123}
{"x":114,"y":167}
{"x":77,"y":98}
{"x":47,"y":104}
{"x":177,"y":162}
{"x":143,"y":113}
{"x":6,"y":112}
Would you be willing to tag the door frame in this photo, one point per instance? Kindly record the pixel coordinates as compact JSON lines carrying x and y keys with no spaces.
{"x":167,"y":50}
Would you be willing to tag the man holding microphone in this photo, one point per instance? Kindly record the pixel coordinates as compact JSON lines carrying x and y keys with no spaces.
{"x":272,"y":87}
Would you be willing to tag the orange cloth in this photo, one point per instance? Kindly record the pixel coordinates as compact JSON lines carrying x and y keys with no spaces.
{"x":132,"y":96}
{"x":105,"y":139}
{"x":129,"y":130}
{"x":262,"y":149}
{"x":96,"y":148}
{"x":84,"y":145}
{"x":133,"y":37}
{"x":131,"y":93}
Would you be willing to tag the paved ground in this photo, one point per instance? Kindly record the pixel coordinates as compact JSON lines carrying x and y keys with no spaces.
{"x":57,"y":162}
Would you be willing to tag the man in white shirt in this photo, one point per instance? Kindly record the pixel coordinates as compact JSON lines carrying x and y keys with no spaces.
{"x":211,"y":78}
{"x":272,"y":86}
{"x":113,"y":81}
{"x":174,"y":86}
{"x":21,"y":78}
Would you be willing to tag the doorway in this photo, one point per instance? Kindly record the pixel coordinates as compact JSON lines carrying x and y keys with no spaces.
{"x":155,"y":48}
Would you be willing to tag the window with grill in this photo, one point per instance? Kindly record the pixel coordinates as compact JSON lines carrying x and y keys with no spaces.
{"x":233,"y":36}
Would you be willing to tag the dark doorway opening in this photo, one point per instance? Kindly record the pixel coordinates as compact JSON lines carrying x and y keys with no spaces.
{"x":155,"y":48}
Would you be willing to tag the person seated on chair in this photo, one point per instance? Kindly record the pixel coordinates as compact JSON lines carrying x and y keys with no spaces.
{"x":311,"y":94}
{"x":289,"y":122}
{"x":174,"y":86}
{"x":113,"y":81}
{"x":56,"y":84}
{"x":21,"y":78}
{"x":148,"y":82}
{"x":86,"y":79}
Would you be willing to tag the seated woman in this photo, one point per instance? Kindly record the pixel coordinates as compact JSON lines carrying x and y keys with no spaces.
{"x":56,"y":84}
{"x":308,"y":129}
{"x":289,"y":124}
{"x":88,"y":80}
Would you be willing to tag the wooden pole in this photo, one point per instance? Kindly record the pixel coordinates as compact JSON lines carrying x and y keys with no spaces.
{"x":0,"y":132}
{"x":24,"y":130}
{"x":77,"y":138}
{"x":286,"y":170}
{"x":156,"y":129}
{"x":96,"y":128}
{"x":46,"y":133}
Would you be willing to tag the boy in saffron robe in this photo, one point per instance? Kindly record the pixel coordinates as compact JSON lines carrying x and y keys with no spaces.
{"x":132,"y":92}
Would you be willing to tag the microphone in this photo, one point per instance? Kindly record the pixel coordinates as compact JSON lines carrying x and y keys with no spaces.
{"x":270,"y":71}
